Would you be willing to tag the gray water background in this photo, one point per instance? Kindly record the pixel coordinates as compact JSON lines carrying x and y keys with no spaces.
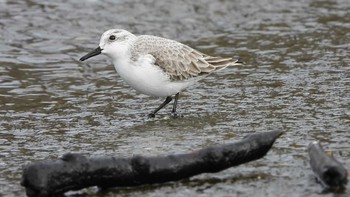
{"x":296,"y":79}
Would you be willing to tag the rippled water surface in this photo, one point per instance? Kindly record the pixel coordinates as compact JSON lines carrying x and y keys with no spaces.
{"x":296,"y":79}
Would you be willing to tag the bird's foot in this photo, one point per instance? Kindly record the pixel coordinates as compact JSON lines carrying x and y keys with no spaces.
{"x":151,"y":115}
{"x":176,"y":115}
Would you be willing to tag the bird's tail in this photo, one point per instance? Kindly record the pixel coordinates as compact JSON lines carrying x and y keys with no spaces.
{"x":220,"y":62}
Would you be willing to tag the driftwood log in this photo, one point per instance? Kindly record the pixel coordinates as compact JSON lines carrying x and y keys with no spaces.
{"x":76,"y":171}
{"x":328,"y":171}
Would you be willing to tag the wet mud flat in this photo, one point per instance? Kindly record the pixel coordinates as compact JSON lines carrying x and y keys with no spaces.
{"x":296,"y":79}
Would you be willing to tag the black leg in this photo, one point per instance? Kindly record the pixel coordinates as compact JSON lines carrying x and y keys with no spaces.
{"x":175,"y":104}
{"x":167,"y":100}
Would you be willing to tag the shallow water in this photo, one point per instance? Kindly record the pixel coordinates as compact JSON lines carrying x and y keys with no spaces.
{"x":296,"y":79}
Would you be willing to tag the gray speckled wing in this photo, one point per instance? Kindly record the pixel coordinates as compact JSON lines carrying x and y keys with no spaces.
{"x":179,"y":61}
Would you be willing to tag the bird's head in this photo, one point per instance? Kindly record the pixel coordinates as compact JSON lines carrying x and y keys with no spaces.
{"x":113,"y":43}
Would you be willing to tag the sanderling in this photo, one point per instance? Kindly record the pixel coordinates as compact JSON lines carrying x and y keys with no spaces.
{"x":157,"y":66}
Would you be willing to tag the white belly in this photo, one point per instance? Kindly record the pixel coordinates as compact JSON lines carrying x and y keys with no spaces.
{"x":149,"y":79}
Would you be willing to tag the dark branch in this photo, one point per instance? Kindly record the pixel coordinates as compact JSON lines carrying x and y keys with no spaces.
{"x":327,"y":169}
{"x":76,"y":171}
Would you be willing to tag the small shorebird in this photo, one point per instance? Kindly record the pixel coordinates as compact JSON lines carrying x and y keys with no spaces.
{"x":157,"y":66}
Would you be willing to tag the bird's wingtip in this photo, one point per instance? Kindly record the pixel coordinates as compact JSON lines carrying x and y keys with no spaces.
{"x":239,"y":61}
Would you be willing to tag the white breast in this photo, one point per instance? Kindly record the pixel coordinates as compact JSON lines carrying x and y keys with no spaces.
{"x":147,"y":78}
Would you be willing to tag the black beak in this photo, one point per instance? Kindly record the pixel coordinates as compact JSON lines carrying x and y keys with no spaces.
{"x":93,"y":53}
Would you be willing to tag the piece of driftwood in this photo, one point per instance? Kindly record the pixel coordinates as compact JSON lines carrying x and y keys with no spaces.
{"x":76,"y":171}
{"x":328,"y":171}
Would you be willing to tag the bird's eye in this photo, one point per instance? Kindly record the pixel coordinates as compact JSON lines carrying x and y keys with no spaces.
{"x":112,"y":37}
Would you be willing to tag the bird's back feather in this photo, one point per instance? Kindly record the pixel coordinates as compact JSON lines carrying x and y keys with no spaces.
{"x":179,"y":61}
